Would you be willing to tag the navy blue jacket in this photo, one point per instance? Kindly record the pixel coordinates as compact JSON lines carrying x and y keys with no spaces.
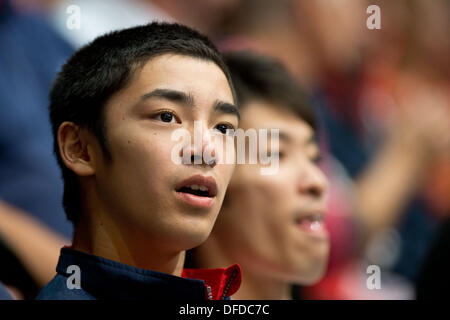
{"x":102,"y":278}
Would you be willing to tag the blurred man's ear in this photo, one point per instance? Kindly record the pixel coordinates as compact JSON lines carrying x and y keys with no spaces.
{"x":75,"y":150}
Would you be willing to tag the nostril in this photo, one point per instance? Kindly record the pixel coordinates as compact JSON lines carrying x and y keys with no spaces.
{"x":315,"y":191}
{"x":197,"y":159}
{"x":312,"y":190}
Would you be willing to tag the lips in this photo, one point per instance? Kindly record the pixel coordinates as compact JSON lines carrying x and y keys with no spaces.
{"x":312,"y":223}
{"x":197,"y":191}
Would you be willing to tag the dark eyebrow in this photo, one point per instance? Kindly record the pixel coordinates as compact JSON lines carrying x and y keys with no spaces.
{"x":188,"y":100}
{"x":171,"y":95}
{"x":226,"y":107}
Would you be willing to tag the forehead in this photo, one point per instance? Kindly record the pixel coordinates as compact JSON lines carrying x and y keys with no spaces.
{"x":201,"y":78}
{"x":264,"y":115}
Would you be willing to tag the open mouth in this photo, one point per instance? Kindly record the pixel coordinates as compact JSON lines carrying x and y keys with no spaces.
{"x":195,"y":189}
{"x":312,"y":223}
{"x":198,"y":191}
{"x":311,"y":218}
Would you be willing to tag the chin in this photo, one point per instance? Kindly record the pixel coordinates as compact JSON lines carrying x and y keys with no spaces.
{"x":311,"y":273}
{"x":194,"y":238}
{"x":312,"y":278}
{"x":193,"y":241}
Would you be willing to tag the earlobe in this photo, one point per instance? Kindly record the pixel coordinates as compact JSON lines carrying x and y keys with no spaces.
{"x":73,"y":149}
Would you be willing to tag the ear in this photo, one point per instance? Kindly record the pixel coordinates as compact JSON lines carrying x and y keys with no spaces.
{"x":75,"y":151}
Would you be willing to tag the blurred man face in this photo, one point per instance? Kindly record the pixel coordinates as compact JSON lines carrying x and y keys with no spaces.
{"x":338,"y":29}
{"x":142,"y":189}
{"x":276,"y":220}
{"x":204,"y":15}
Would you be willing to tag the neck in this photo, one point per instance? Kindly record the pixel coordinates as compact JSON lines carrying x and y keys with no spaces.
{"x":254,"y":285}
{"x":261,"y":287}
{"x":100,"y":233}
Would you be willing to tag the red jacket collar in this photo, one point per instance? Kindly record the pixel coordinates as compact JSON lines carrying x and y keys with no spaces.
{"x":223,"y":282}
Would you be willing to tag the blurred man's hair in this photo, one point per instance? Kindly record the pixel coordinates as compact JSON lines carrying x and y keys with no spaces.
{"x":105,"y":66}
{"x":260,"y":77}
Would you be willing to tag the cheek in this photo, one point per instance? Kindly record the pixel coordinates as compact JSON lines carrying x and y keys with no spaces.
{"x":139,"y":151}
{"x":139,"y":163}
{"x":257,"y":211}
{"x":259,"y":193}
{"x":225,"y":173}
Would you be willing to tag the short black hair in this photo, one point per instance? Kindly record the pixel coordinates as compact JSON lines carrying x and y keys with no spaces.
{"x":261,"y":77}
{"x":105,"y":66}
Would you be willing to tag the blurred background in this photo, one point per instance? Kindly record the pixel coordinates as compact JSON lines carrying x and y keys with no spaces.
{"x":382,"y":97}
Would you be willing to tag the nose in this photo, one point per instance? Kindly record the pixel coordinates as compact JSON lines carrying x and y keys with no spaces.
{"x":312,"y":182}
{"x":202,"y":150}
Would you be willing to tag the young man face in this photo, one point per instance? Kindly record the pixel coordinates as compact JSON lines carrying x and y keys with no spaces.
{"x":139,"y":188}
{"x":276,"y":220}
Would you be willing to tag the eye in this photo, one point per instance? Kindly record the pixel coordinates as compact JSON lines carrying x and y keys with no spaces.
{"x":223,"y":127}
{"x":166,"y":116}
{"x":317,"y":159}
